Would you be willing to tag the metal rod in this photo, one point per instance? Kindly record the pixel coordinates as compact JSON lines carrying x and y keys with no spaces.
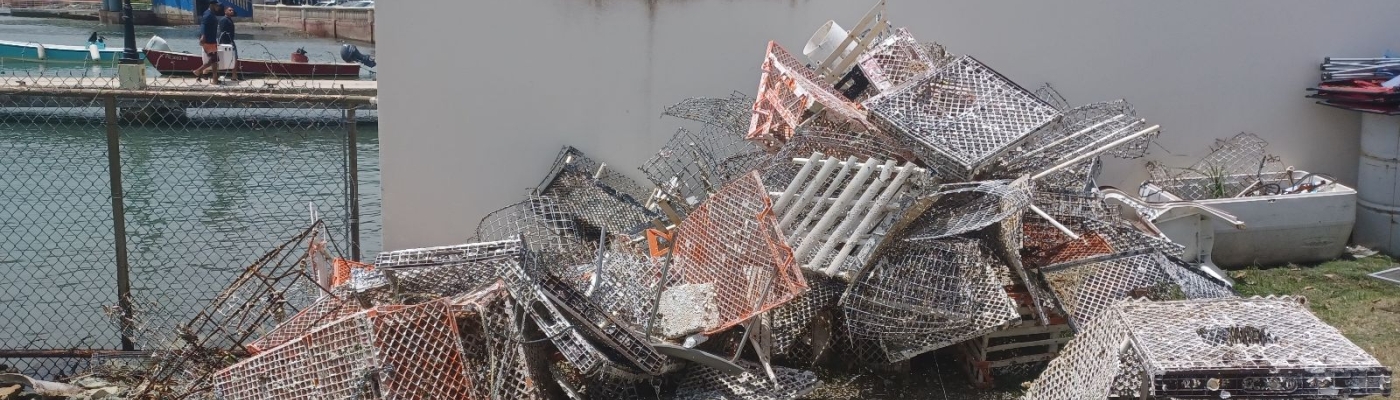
{"x":1073,"y":135}
{"x":1052,"y":221}
{"x":67,"y":353}
{"x":114,"y":172}
{"x":353,"y":157}
{"x":1082,"y":157}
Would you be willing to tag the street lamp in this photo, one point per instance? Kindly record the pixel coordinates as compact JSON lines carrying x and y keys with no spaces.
{"x":129,"y":55}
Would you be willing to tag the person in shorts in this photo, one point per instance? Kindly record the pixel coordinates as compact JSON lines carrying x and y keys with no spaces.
{"x":208,"y":42}
{"x":226,"y":34}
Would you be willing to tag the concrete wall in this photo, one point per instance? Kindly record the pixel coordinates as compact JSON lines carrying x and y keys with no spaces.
{"x":333,"y":22}
{"x":467,"y":130}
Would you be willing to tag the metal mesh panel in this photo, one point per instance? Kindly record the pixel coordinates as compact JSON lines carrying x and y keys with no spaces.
{"x":803,"y":328}
{"x":420,"y":353}
{"x":730,"y":243}
{"x":834,"y":212}
{"x":992,"y":309}
{"x":499,"y":358}
{"x":326,"y":309}
{"x":276,"y":373}
{"x":549,"y":229}
{"x":1087,"y":366}
{"x":731,"y":115}
{"x":433,"y":272}
{"x":916,"y":288}
{"x":601,"y":326}
{"x":694,"y":164}
{"x":967,"y":207}
{"x":1082,"y":130}
{"x":1234,"y":166}
{"x":582,"y":354}
{"x":787,"y":89}
{"x":600,"y":198}
{"x":700,"y":382}
{"x":961,"y":115}
{"x":1087,"y":288}
{"x":897,"y":59}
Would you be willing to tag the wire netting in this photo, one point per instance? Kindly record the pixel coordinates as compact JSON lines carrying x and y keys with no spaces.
{"x":211,"y":178}
{"x":899,"y":58}
{"x":787,"y":90}
{"x":915,"y":288}
{"x":1234,"y":167}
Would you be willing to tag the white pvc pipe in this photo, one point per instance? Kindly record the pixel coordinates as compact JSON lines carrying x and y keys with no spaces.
{"x":1092,"y":145}
{"x":786,"y":196}
{"x":836,"y":209}
{"x":807,"y":194}
{"x":817,"y":209}
{"x":860,"y":207}
{"x":1053,"y":222}
{"x":1085,"y":156}
{"x":1072,"y":136}
{"x":870,"y":219}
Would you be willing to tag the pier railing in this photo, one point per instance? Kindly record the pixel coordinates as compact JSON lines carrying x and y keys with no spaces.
{"x":117,"y":202}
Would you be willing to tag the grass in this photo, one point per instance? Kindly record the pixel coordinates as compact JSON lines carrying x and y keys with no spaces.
{"x":1340,"y":293}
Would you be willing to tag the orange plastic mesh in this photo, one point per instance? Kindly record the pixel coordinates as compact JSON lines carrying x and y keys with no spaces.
{"x":325,"y":310}
{"x":785,"y":91}
{"x":419,"y":353}
{"x":731,"y":243}
{"x":343,"y":268}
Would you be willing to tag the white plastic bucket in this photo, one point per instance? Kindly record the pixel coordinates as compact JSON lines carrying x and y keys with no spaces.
{"x":823,"y":43}
{"x":226,"y":57}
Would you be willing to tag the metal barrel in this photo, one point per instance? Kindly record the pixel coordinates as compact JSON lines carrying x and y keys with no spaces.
{"x":1378,"y":184}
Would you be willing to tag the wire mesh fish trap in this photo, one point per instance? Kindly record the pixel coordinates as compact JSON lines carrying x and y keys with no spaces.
{"x":391,"y":352}
{"x":701,"y":382}
{"x":961,"y":116}
{"x":992,"y":309}
{"x":730,"y":115}
{"x":730,"y":243}
{"x":600,"y":199}
{"x":1082,"y":132}
{"x":1235,"y":167}
{"x":270,"y":290}
{"x":332,"y":307}
{"x":601,"y":327}
{"x":803,"y":328}
{"x":498,"y":354}
{"x":622,"y":282}
{"x":548,"y":227}
{"x":1086,"y":288}
{"x":1220,"y":348}
{"x":971,"y":206}
{"x":414,"y":275}
{"x":916,"y":288}
{"x":897,"y":59}
{"x":694,"y":164}
{"x":787,"y":91}
{"x":522,"y":282}
{"x":836,"y":212}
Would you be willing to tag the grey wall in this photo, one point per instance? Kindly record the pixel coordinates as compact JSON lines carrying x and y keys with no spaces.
{"x":479,"y":96}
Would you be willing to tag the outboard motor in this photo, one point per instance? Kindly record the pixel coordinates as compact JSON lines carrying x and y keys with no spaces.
{"x":157,"y":43}
{"x":350,"y":53}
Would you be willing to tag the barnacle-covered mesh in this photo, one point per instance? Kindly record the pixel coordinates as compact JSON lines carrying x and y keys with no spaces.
{"x":626,"y":285}
{"x":328,"y":308}
{"x":914,"y":289}
{"x":787,"y":89}
{"x":599,"y":198}
{"x":521,"y":281}
{"x":701,"y":382}
{"x":897,"y":59}
{"x":1218,"y":348}
{"x":1234,"y":166}
{"x":967,"y":207}
{"x":961,"y":116}
{"x":730,"y":243}
{"x":835,"y":212}
{"x":803,"y":328}
{"x":443,"y":271}
{"x":1088,"y":287}
{"x":992,"y":309}
{"x":420,"y":352}
{"x":698,"y":162}
{"x":499,"y":355}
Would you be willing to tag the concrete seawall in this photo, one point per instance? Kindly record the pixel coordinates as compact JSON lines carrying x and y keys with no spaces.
{"x":334,"y":22}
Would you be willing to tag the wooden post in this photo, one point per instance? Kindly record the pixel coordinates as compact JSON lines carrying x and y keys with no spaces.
{"x":114,"y":171}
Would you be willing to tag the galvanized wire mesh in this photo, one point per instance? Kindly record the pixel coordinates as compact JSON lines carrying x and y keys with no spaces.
{"x":914,"y":289}
{"x":804,"y":328}
{"x":696,"y":163}
{"x":601,"y":199}
{"x":1235,"y":166}
{"x":701,"y":382}
{"x":967,"y":207}
{"x":1086,"y":288}
{"x":416,"y":275}
{"x":729,"y":246}
{"x":897,"y":59}
{"x":210,"y":175}
{"x":960,"y":116}
{"x":546,"y":225}
{"x":1222,"y":348}
{"x":1081,"y":131}
{"x":730,"y":115}
{"x":992,"y":308}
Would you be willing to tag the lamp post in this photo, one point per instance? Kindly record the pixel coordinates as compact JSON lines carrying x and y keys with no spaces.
{"x":129,"y":55}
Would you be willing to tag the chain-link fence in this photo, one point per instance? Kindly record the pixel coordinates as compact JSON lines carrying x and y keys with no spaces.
{"x":205,"y":180}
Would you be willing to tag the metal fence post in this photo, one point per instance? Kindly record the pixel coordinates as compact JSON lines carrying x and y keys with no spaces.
{"x":114,"y":169}
{"x":353,"y":187}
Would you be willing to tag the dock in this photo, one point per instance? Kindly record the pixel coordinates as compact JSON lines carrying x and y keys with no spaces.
{"x":65,"y":92}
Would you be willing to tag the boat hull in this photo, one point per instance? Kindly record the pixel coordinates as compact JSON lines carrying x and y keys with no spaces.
{"x":173,"y":63}
{"x":36,"y":52}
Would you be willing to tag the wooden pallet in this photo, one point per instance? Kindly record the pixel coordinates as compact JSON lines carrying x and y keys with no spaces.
{"x":1029,"y":342}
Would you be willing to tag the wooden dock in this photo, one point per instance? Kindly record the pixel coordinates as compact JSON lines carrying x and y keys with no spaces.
{"x":24,"y":91}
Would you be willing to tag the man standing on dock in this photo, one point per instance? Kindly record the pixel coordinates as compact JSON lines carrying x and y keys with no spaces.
{"x":226,"y":34}
{"x":208,"y":41}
